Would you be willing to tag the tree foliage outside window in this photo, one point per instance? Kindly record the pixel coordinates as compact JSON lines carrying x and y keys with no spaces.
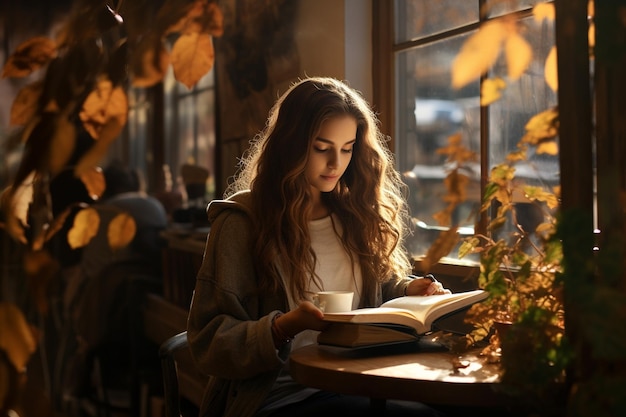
{"x":431,"y":106}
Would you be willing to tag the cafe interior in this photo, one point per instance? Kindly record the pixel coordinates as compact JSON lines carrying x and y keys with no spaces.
{"x":100,"y":343}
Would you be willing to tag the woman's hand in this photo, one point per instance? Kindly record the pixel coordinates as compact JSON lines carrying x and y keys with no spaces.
{"x":425,"y":286}
{"x":305,"y":316}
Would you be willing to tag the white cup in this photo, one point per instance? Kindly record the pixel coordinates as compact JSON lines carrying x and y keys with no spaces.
{"x":333,"y":301}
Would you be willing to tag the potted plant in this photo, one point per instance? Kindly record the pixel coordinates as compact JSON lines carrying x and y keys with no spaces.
{"x":522,"y":321}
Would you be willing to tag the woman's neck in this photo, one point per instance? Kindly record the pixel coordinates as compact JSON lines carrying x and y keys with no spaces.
{"x":319,"y":210}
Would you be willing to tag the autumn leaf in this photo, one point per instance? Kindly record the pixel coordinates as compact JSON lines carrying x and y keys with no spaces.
{"x":520,"y":154}
{"x":542,"y":126}
{"x":192,"y":57}
{"x":441,"y":247}
{"x":173,"y":15}
{"x":17,"y":338}
{"x":550,"y":70}
{"x":535,"y":193}
{"x":104,"y":103}
{"x":456,"y":184}
{"x":545,"y":230}
{"x":121,"y":231}
{"x":85,"y":227}
{"x":491,"y":90}
{"x":469,"y":246}
{"x":518,"y":55}
{"x":13,"y":224}
{"x":98,"y":150}
{"x":149,"y":63}
{"x":215,"y":26}
{"x":548,"y":147}
{"x":502,"y":174}
{"x":29,"y":57}
{"x":22,"y":197}
{"x":193,"y":11}
{"x":25,"y":104}
{"x":479,"y":52}
{"x":94,"y":181}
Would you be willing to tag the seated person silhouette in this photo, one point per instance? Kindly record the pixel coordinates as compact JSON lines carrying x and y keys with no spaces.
{"x":113,"y":282}
{"x":124,"y":194}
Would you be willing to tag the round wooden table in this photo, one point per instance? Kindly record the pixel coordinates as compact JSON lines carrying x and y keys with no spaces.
{"x":429,"y":376}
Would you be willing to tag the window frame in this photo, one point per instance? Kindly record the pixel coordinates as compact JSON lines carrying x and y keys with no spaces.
{"x":385,"y":48}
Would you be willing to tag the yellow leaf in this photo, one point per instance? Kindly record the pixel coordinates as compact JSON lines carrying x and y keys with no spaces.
{"x":490,"y":90}
{"x":478,"y":53}
{"x":13,"y":224}
{"x":550,"y":70}
{"x":22,"y":197}
{"x":541,"y":126}
{"x":102,"y":105}
{"x":25,"y":104}
{"x":502,"y":174}
{"x":548,"y":147}
{"x":518,"y":55}
{"x":85,"y":227}
{"x":98,"y":150}
{"x":545,"y":229}
{"x":94,"y":181}
{"x":543,"y":11}
{"x":121,"y":231}
{"x":29,"y":56}
{"x":192,"y":57}
{"x":17,"y":338}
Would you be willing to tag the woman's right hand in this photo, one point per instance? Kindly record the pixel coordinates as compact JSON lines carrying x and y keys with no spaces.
{"x":306,"y":316}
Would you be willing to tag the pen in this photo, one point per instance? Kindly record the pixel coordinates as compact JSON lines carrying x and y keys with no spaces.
{"x":431,"y":277}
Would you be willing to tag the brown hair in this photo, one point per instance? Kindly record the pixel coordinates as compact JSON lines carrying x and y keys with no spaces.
{"x":368,"y":199}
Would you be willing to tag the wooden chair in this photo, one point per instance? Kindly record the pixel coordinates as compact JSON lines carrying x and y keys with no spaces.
{"x":169,"y":368}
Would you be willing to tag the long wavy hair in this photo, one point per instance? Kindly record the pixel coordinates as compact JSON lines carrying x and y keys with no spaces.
{"x":368,"y":199}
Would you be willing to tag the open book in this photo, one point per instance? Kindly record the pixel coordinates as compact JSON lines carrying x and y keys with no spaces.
{"x":402,"y":319}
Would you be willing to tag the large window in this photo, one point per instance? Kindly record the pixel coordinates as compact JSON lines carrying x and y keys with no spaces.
{"x":427,"y":37}
{"x":190,"y":127}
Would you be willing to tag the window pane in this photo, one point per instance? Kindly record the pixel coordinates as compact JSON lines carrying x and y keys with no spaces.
{"x":190,"y":127}
{"x":429,"y":110}
{"x":206,"y":137}
{"x":521,"y":100}
{"x":420,"y":18}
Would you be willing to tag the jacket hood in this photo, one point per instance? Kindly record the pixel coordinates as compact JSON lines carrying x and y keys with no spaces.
{"x":240,"y":201}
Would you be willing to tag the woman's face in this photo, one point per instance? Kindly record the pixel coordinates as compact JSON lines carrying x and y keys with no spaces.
{"x":331,"y":153}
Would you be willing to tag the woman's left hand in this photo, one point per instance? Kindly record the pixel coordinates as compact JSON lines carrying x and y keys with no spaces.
{"x":425,"y":286}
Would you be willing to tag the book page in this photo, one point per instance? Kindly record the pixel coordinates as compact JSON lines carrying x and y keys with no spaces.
{"x":430,"y":307}
{"x":378,"y":315}
{"x":415,"y":311}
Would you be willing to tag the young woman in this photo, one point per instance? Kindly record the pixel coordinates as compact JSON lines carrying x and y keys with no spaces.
{"x":316,"y":205}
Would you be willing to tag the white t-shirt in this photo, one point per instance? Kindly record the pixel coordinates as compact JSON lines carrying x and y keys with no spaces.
{"x":334,"y":269}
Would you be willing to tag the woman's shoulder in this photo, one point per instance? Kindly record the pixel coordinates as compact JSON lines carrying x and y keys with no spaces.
{"x":239,"y":202}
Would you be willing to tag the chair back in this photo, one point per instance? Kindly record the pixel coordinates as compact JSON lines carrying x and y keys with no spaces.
{"x":169,"y":368}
